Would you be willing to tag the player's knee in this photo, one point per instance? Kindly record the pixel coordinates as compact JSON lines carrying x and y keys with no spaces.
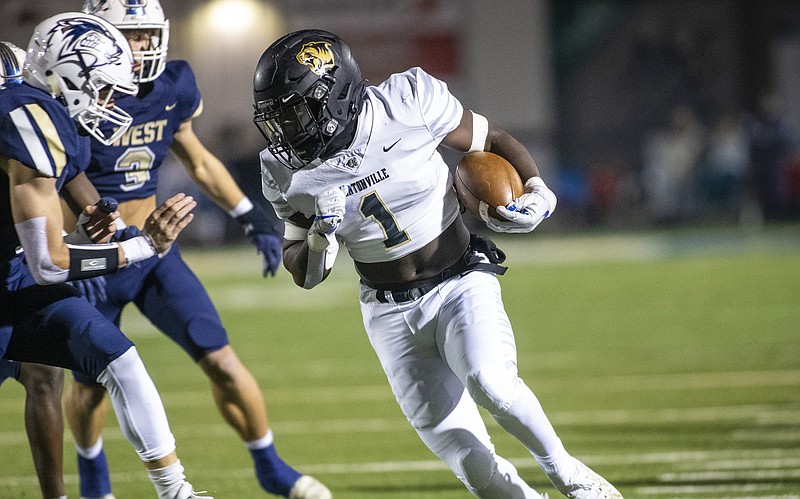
{"x":494,"y":389}
{"x":85,"y":395}
{"x":221,"y":366}
{"x":42,"y":381}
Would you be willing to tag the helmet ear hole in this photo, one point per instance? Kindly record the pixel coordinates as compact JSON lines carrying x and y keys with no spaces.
{"x":69,"y":84}
{"x":344,"y":92}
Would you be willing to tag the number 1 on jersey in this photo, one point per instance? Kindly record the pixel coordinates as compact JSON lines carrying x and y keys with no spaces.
{"x":372,"y":207}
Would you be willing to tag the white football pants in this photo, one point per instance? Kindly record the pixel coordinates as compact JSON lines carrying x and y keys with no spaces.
{"x":443,"y":354}
{"x":138,"y":407}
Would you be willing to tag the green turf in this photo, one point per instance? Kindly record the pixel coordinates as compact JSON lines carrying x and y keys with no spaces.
{"x":669,"y":362}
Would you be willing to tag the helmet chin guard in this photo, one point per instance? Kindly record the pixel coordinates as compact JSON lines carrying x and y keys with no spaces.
{"x":307,"y":89}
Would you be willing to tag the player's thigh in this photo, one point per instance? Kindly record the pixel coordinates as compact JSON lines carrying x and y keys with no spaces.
{"x":68,"y":332}
{"x":403,"y":338}
{"x":175,"y":301}
{"x":475,"y":334}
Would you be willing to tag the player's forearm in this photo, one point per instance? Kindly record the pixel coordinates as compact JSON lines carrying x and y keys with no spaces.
{"x":216,"y":182}
{"x":80,"y":193}
{"x":503,"y":144}
{"x":295,"y":259}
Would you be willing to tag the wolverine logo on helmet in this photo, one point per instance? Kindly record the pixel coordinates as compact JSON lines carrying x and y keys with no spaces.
{"x":316,"y":55}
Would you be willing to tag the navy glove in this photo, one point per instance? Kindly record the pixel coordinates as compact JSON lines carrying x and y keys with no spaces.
{"x":128,"y":232}
{"x":94,"y":289}
{"x":263,"y":236}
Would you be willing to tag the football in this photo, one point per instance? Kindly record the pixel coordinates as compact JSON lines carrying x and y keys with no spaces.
{"x":485,"y":180}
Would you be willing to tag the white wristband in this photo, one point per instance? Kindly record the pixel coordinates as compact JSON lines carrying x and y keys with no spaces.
{"x":241,"y":208}
{"x":537,"y":185}
{"x":137,"y":249}
{"x":532,"y":183}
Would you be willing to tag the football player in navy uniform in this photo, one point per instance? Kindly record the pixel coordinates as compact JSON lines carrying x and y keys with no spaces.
{"x":76,"y":66}
{"x":358,"y":165}
{"x":166,"y":291}
{"x":44,"y":421}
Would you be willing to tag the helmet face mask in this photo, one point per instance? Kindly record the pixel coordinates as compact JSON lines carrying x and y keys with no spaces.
{"x":307,"y":90}
{"x":291,"y":125}
{"x":84,"y":62}
{"x":135,"y":18}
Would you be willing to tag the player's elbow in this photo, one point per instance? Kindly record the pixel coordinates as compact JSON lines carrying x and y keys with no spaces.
{"x":45,"y":268}
{"x":46,"y":273}
{"x":311,"y":279}
{"x":300,"y":280}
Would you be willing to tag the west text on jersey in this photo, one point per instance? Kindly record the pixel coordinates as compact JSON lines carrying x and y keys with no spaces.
{"x":139,"y":135}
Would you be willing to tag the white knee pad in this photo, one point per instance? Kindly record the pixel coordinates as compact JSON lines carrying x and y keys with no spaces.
{"x":138,"y":406}
{"x":494,"y":389}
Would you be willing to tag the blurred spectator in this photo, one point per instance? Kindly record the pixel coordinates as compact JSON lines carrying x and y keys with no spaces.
{"x":773,"y":139}
{"x":726,"y":168}
{"x":671,"y":157}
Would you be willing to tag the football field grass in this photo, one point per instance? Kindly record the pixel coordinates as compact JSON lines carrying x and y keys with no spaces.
{"x":669,"y":362}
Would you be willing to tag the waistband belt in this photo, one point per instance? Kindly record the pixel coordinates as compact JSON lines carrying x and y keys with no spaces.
{"x":470,"y":261}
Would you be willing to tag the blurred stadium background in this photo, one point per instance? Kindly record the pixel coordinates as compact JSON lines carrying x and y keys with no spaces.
{"x":640,"y":114}
{"x":666,"y":349}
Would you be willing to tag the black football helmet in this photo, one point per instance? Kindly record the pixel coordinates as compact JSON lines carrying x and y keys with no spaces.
{"x":307,"y":91}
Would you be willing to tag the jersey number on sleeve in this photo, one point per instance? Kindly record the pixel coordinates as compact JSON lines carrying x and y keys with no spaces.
{"x":372,"y":207}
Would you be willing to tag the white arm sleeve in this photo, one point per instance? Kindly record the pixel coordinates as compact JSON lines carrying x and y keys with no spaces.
{"x":33,"y":237}
{"x":322,"y":251}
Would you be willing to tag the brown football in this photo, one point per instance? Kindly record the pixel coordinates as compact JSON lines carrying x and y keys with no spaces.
{"x":488,"y":178}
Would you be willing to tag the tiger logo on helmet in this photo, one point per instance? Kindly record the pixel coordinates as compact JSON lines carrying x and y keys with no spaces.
{"x":318,"y":56}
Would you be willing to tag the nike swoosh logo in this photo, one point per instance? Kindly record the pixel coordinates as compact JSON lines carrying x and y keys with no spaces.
{"x":387,"y":149}
{"x":170,"y":107}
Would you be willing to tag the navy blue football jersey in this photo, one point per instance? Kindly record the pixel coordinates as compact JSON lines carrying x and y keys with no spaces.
{"x":128,"y":169}
{"x":36,"y":130}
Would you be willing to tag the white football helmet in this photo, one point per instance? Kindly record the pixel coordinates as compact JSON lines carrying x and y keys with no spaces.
{"x":138,"y":14}
{"x":83,"y":61}
{"x":12,"y":58}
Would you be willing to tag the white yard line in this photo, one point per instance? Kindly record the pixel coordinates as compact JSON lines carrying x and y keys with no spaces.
{"x":755,"y":414}
{"x":728,"y":457}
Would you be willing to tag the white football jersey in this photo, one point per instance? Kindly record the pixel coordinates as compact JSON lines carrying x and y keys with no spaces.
{"x":399,"y":190}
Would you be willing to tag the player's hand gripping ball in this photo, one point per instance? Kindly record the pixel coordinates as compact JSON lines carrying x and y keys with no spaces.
{"x":484,"y":181}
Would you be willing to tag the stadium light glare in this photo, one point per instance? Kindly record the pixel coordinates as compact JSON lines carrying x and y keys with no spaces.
{"x":232,"y":17}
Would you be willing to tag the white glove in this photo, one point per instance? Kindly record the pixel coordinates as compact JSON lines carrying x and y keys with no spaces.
{"x":329,"y":208}
{"x":527,"y":211}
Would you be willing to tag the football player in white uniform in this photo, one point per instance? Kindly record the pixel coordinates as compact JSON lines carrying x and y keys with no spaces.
{"x":358,"y":165}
